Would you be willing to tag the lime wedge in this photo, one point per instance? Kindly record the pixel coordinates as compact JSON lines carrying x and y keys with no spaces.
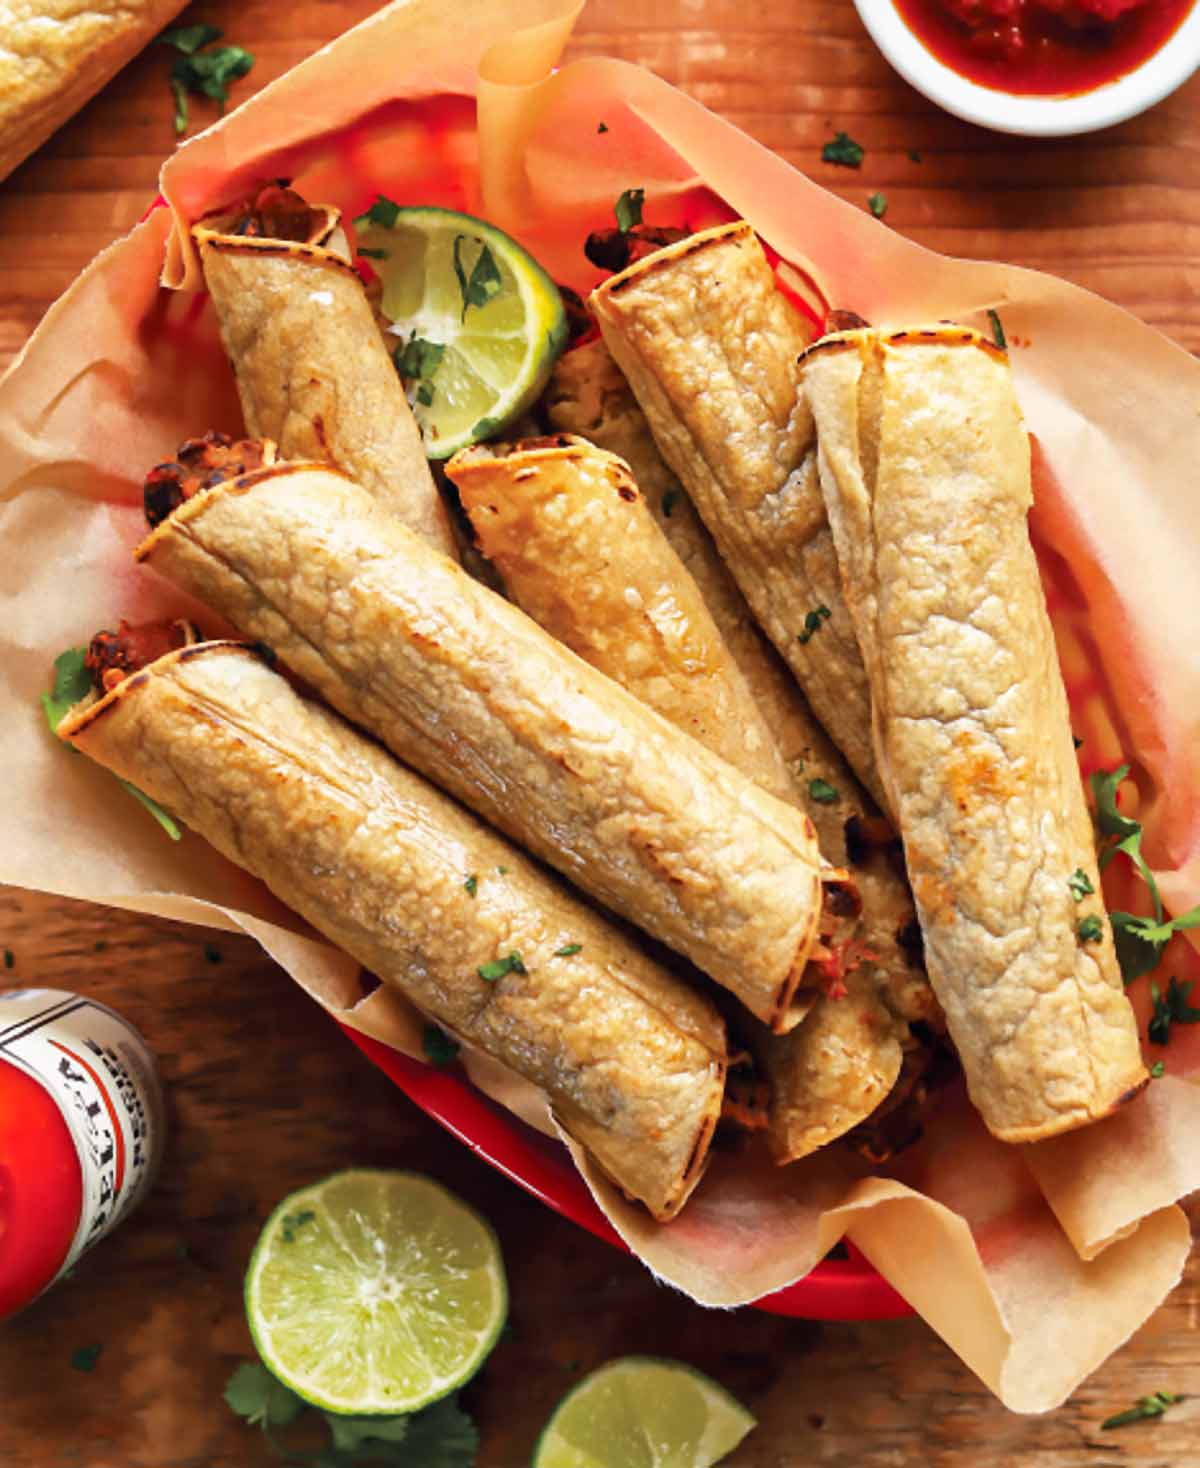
{"x":375,"y":1292}
{"x":477,"y":322}
{"x":641,"y":1412}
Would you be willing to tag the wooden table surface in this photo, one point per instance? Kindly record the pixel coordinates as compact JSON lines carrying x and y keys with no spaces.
{"x":266,"y":1095}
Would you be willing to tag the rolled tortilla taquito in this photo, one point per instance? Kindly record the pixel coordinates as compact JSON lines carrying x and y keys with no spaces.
{"x":312,"y":371}
{"x":709,"y":348}
{"x":568,"y":530}
{"x":588,"y":395}
{"x":467,"y":689}
{"x":430,"y":900}
{"x":925,"y":469}
{"x":577,"y":549}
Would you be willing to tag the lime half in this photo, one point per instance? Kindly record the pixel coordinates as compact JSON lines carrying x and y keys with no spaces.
{"x":375,"y":1292}
{"x":477,"y":322}
{"x":642,"y":1412}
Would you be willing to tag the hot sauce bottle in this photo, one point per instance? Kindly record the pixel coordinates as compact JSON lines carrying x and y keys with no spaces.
{"x":82,"y":1126}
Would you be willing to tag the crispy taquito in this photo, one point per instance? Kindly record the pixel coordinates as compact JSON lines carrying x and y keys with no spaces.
{"x":925,"y":468}
{"x":429,"y":899}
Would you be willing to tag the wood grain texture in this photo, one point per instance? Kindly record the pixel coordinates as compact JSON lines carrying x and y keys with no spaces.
{"x":266,"y":1095}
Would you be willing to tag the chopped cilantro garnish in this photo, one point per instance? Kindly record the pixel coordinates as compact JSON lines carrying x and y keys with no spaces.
{"x":1146,"y":1407}
{"x":669,"y":501}
{"x":72,"y":681}
{"x":418,"y":357}
{"x":1139,"y":940}
{"x":253,"y":1393}
{"x":294,"y":1222}
{"x":372,"y":254}
{"x":439,"y":1047}
{"x":1080,"y":884}
{"x":85,"y":1358}
{"x":425,"y":394}
{"x":1157,"y":1070}
{"x":497,"y":968}
{"x":567,"y":950}
{"x":1170,"y":1008}
{"x":484,"y":281}
{"x":812,"y":623}
{"x":603,"y":127}
{"x":998,"y":330}
{"x":383,"y":211}
{"x":844,"y":150}
{"x":208,"y":73}
{"x":628,"y":209}
{"x":471,"y":884}
{"x":1090,"y":929}
{"x":822,"y":792}
{"x":878,"y":205}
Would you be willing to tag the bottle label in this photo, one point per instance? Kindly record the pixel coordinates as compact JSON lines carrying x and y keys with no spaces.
{"x":104,"y":1080}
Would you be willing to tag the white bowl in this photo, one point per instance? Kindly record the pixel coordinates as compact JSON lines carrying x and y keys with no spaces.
{"x":1035,"y":117}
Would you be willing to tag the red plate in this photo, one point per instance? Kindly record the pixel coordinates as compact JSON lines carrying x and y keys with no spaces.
{"x":836,"y":1289}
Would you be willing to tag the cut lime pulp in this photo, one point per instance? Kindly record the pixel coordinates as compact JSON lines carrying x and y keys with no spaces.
{"x":375,"y":1292}
{"x":642,"y":1412}
{"x":481,"y":320}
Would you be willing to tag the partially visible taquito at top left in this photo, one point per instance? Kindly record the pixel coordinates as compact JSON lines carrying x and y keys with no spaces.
{"x":429,"y":899}
{"x":467,"y":689}
{"x":312,"y":370}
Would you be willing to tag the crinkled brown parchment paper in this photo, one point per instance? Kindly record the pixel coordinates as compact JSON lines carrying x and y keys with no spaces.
{"x":1032,"y":1263}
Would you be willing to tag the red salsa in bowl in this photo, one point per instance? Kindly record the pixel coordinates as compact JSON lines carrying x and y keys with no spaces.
{"x":1043,"y":47}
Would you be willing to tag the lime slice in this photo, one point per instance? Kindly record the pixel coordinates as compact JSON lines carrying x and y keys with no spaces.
{"x":642,"y":1412}
{"x":375,"y":1292}
{"x":458,"y":284}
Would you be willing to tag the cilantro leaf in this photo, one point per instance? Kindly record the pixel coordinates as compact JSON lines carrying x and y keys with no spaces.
{"x":425,"y":394}
{"x":1157,"y":1070}
{"x":1171,"y":1008}
{"x":1080,"y":884}
{"x":156,"y":810}
{"x":72,"y":681}
{"x":383,"y":211}
{"x":844,"y":150}
{"x":294,"y":1222}
{"x":187,"y":39}
{"x":878,"y":205}
{"x":372,"y":254}
{"x":418,"y":357}
{"x":1152,"y":1406}
{"x":439,"y":1047}
{"x":1090,"y":929}
{"x":998,"y":330}
{"x":822,"y":792}
{"x":628,"y":209}
{"x":350,"y":1433}
{"x":263,"y":1400}
{"x":484,"y":281}
{"x":496,"y":969}
{"x":603,"y":127}
{"x":85,"y":1358}
{"x":442,"y":1436}
{"x":812,"y":623}
{"x":472,"y":884}
{"x":568,"y":950}
{"x":208,"y":73}
{"x":1120,"y":832}
{"x":669,"y":501}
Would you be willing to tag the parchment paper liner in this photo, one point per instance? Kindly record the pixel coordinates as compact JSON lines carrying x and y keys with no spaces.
{"x":119,"y":371}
